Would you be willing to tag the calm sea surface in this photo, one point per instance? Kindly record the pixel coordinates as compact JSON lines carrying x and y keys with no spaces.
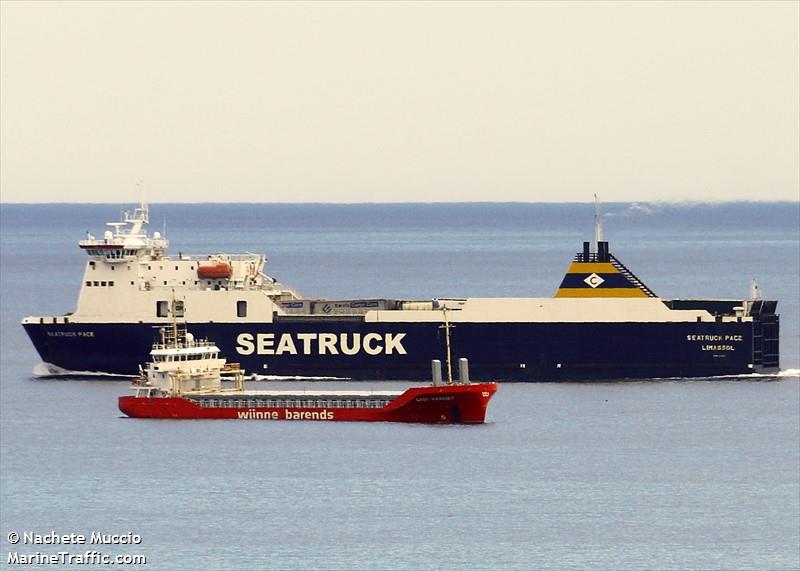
{"x":679,"y":474}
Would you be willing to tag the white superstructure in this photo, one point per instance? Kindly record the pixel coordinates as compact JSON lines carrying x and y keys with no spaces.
{"x":180,"y":364}
{"x":129,"y":277}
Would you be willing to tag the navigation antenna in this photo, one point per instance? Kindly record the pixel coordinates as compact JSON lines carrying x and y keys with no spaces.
{"x":598,"y":224}
{"x":755,"y":293}
{"x":446,"y":328}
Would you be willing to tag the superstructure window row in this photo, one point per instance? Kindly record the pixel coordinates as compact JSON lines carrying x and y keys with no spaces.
{"x":112,"y":254}
{"x":184,"y":357}
{"x":99,"y":283}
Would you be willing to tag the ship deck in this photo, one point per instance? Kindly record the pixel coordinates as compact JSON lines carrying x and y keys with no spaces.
{"x":296,"y":393}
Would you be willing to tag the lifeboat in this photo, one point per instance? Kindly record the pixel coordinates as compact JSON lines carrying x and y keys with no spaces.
{"x":214,"y":270}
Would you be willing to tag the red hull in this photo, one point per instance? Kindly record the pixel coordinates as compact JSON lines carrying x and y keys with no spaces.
{"x":443,"y":405}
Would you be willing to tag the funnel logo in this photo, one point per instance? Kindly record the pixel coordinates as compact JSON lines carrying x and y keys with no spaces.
{"x":593,"y":280}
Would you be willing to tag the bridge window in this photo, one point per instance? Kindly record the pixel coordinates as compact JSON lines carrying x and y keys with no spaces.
{"x":88,"y":284}
{"x":162,"y":309}
{"x":241,"y":309}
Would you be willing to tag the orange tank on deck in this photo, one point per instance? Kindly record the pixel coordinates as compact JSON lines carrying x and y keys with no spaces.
{"x":214,"y":270}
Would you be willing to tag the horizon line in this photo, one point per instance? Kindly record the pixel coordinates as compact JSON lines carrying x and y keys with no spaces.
{"x":360,"y":203}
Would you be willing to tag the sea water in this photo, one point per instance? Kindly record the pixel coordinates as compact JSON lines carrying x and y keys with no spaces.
{"x":672,"y":474}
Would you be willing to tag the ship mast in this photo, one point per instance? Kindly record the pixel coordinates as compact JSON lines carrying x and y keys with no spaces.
{"x":174,"y":320}
{"x":755,"y":293}
{"x":447,"y":327}
{"x":598,"y":224}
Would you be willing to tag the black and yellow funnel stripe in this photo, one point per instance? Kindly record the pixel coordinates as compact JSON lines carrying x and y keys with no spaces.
{"x":600,"y":275}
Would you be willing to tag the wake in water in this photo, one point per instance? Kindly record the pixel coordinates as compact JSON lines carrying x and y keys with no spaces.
{"x":46,"y":370}
{"x":294,"y":378}
{"x":782,"y":374}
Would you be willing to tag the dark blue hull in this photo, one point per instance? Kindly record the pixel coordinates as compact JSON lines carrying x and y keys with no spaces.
{"x":496,"y":351}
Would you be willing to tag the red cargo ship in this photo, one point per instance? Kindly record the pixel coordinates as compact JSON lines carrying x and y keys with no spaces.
{"x":431,"y":404}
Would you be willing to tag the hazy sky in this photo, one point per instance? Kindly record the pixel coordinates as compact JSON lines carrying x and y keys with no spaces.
{"x":386,"y":102}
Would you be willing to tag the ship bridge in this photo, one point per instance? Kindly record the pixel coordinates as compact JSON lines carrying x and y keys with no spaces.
{"x":126,"y":239}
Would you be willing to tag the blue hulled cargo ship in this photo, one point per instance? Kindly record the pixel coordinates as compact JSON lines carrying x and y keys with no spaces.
{"x":602,"y":323}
